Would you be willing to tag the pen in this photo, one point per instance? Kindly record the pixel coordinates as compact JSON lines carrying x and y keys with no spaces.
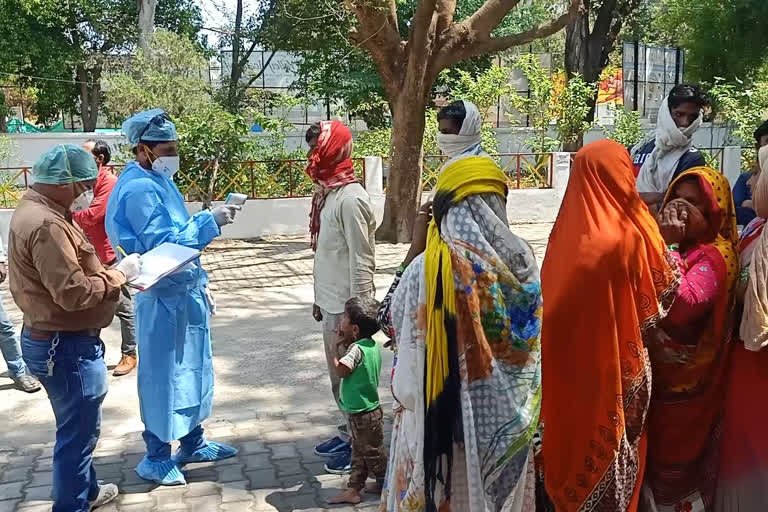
{"x":122,"y":251}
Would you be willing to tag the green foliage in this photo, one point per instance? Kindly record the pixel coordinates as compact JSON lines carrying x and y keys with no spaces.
{"x":721,"y":38}
{"x":537,"y":104}
{"x":171,"y":77}
{"x":7,"y":148}
{"x":626,"y":128}
{"x":571,"y":109}
{"x":484,"y":90}
{"x":546,"y":105}
{"x":46,"y":41}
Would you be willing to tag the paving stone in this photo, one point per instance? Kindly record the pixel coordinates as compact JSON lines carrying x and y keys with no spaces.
{"x":131,"y":478}
{"x":239,"y":506}
{"x":42,"y":492}
{"x":8,"y":505}
{"x":203,"y":503}
{"x":132,"y":498}
{"x":140,"y":507}
{"x":283,"y":451}
{"x":195,"y":489}
{"x":251,"y":447}
{"x":268,"y":500}
{"x":169,"y":498}
{"x":229,"y":474}
{"x":103,"y":460}
{"x":288,"y":467}
{"x":235,"y":491}
{"x":35,"y":506}
{"x":302,"y":501}
{"x":258,"y":461}
{"x":15,"y":475}
{"x":44,"y":464}
{"x":201,"y":475}
{"x":143,"y":487}
{"x":314,"y":468}
{"x":262,"y":479}
{"x":109,"y":507}
{"x":41,"y":478}
{"x":11,"y":490}
{"x":109,"y":471}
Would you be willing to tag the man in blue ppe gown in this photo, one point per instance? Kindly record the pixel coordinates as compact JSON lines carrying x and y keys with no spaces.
{"x":175,"y":376}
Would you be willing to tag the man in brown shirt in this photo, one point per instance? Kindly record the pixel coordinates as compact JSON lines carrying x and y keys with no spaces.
{"x":67,"y":296}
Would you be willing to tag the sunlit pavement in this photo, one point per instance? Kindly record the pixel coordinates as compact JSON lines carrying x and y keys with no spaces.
{"x":272,"y":396}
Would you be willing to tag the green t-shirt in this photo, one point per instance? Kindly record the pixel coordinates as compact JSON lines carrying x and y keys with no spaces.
{"x":360,"y":389}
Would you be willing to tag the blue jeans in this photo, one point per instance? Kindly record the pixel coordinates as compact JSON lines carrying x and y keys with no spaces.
{"x":76,"y":390}
{"x":10,"y":347}
{"x":159,"y":451}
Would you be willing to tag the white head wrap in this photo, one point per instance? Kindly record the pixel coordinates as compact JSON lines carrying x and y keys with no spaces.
{"x":469,"y":136}
{"x":671,"y":144}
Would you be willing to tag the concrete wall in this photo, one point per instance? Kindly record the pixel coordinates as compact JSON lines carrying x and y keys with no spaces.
{"x":264,"y":217}
{"x":29,"y":146}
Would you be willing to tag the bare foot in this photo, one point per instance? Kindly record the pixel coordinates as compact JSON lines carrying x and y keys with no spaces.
{"x":372,"y":488}
{"x":349,"y":496}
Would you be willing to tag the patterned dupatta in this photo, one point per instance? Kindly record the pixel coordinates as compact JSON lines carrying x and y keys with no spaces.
{"x":687,"y":406}
{"x":467,"y":316}
{"x":606,"y":281}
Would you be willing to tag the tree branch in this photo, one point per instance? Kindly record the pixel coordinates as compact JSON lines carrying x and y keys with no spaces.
{"x":489,"y":15}
{"x":446,"y":9}
{"x":263,"y":69}
{"x":466,"y":43}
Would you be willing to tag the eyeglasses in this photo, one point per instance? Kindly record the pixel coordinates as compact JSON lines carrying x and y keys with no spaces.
{"x":158,"y":120}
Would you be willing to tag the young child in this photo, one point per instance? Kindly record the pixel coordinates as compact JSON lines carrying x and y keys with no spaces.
{"x":359,"y":396}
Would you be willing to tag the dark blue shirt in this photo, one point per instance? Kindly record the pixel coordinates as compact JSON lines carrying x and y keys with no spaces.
{"x":741,"y":193}
{"x":689,"y":160}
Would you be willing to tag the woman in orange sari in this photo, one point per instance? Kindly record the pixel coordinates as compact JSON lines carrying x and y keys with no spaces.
{"x":606,"y":281}
{"x":689,"y":348}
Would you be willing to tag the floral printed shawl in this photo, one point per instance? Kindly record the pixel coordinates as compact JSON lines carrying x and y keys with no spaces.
{"x":498,"y":320}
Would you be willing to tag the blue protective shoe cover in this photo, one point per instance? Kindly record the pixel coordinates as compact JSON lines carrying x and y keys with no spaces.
{"x":210,"y":452}
{"x":166,"y":472}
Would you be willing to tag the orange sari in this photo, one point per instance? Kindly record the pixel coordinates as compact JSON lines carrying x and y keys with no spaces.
{"x":688,"y":372}
{"x":605,"y":281}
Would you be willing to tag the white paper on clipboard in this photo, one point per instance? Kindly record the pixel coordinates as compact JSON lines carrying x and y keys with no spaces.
{"x":162,"y":261}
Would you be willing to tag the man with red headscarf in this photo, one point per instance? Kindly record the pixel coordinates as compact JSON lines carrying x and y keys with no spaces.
{"x":342,"y":228}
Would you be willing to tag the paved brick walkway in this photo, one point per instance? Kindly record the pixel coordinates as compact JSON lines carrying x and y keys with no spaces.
{"x":272,"y":399}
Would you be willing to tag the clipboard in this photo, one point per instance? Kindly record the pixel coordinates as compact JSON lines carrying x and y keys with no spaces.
{"x":161,"y":262}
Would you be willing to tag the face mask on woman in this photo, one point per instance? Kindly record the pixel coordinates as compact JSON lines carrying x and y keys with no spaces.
{"x":82,"y":202}
{"x":168,"y":165}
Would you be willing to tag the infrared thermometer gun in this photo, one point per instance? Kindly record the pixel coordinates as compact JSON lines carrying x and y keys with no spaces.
{"x":236,"y":199}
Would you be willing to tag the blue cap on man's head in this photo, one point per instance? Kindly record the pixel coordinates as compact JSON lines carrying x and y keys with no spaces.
{"x":64,"y":164}
{"x":151,"y":125}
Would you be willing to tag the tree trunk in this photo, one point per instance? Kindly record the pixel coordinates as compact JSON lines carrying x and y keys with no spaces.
{"x":3,"y":114}
{"x":405,"y":164}
{"x":90,"y":96}
{"x":146,"y":23}
{"x":236,"y":68}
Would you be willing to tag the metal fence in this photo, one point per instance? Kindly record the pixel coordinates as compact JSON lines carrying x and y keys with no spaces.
{"x":523,"y":170}
{"x":277,"y":179}
{"x":259,"y":179}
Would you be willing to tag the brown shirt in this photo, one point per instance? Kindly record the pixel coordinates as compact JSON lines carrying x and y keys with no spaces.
{"x":55,"y":276}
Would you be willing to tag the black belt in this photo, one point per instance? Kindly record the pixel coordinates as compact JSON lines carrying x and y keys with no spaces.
{"x":40,"y":335}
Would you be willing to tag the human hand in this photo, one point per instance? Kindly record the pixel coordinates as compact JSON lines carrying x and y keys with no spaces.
{"x":672,"y":221}
{"x":211,"y":300}
{"x":130,"y":266}
{"x":420,"y":230}
{"x":748,"y":204}
{"x":317,"y":314}
{"x":3,"y":272}
{"x":225,"y":214}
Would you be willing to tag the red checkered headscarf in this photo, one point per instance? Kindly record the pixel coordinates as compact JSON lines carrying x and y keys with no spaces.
{"x":329,"y":167}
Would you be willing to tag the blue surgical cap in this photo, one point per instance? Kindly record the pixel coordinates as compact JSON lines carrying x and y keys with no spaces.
{"x":65,"y":163}
{"x":151,"y":125}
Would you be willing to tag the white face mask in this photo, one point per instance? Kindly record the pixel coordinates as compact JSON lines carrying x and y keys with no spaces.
{"x":82,"y":202}
{"x":168,"y":165}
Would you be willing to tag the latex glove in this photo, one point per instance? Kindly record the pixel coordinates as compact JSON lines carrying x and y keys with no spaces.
{"x":225,"y":214}
{"x":130,"y":266}
{"x":211,"y":300}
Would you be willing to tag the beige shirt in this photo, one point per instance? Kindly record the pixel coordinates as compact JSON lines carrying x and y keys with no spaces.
{"x":55,"y":276}
{"x":345,"y":257}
